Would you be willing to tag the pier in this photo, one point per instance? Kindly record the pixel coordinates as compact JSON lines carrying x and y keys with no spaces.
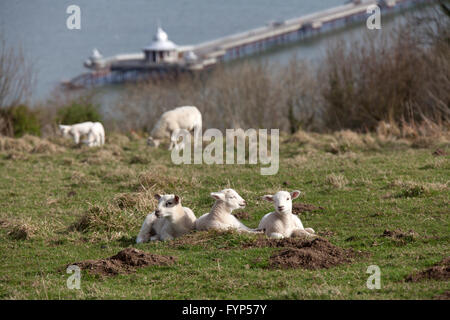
{"x":163,"y":57}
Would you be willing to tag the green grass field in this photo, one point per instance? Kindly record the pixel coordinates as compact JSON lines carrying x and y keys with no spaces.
{"x":60,"y":204}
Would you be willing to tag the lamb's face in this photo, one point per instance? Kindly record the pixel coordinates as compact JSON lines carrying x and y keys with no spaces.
{"x":167,"y":205}
{"x":64,"y":130}
{"x":153,"y":142}
{"x":231,"y":198}
{"x":282,"y":200}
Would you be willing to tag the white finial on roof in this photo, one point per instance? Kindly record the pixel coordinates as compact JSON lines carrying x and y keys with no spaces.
{"x":96,"y":54}
{"x":161,"y":42}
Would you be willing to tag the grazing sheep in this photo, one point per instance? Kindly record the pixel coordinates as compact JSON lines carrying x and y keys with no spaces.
{"x":282,"y":223}
{"x":172,"y":122}
{"x":220,"y":217}
{"x":94,"y":132}
{"x":96,"y":135}
{"x":169,"y":220}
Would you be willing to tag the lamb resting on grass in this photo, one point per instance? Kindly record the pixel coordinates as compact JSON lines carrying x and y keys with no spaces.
{"x":220,"y":217}
{"x":282,"y":223}
{"x":94,"y":131}
{"x":172,"y":122}
{"x":169,"y":220}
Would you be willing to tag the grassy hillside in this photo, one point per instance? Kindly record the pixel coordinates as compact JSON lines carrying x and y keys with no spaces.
{"x":60,"y":204}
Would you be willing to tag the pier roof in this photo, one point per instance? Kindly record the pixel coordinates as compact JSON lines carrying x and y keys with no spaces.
{"x":161,"y":42}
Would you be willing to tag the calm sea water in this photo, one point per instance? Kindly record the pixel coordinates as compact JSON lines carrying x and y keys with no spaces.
{"x":118,"y":26}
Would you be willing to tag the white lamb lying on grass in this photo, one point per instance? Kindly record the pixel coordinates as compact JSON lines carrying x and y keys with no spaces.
{"x":220,"y":217}
{"x":169,"y":220}
{"x":172,"y":122}
{"x":282,"y":223}
{"x":94,"y":132}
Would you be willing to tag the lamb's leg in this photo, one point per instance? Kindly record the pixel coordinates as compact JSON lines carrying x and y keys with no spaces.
{"x":144,"y":234}
{"x":276,"y":235}
{"x":310,"y":230}
{"x":301,"y":233}
{"x":198,"y":134}
{"x":177,"y":133}
{"x":165,"y":236}
{"x":76,"y":137}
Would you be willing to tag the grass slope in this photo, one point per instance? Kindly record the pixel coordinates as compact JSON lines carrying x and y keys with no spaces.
{"x":60,"y":204}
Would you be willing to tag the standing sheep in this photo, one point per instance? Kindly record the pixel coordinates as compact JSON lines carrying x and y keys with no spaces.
{"x":94,"y":132}
{"x":96,"y":135}
{"x":169,"y":220}
{"x":282,"y":223}
{"x":172,"y":122}
{"x":220,"y":217}
{"x":76,"y":130}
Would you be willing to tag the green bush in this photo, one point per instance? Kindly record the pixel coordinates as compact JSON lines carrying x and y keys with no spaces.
{"x":24,"y":121}
{"x":78,"y":112}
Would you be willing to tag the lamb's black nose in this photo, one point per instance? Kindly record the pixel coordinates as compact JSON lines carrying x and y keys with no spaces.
{"x":281,"y":208}
{"x":157,"y":213}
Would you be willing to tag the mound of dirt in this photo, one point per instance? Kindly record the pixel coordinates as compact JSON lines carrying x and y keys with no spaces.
{"x":124,"y":262}
{"x":439,"y":152}
{"x":312,"y":254}
{"x":298,"y":208}
{"x":444,"y":296}
{"x":401,"y":236}
{"x":440,"y":271}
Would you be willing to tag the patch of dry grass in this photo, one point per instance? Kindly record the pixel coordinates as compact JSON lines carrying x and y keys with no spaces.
{"x":19,"y":230}
{"x":336,"y":180}
{"x":109,"y":218}
{"x":29,"y":144}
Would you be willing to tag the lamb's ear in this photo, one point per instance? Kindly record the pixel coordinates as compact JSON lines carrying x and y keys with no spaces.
{"x":177,"y":199}
{"x":218,"y":196}
{"x":157,"y":196}
{"x":295,"y":194}
{"x":268,"y":197}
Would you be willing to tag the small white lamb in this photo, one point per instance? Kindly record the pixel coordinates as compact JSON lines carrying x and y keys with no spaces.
{"x":93,"y":131}
{"x":96,"y":136}
{"x":220,"y":217}
{"x":282,"y":223}
{"x":172,"y":122}
{"x":169,"y":220}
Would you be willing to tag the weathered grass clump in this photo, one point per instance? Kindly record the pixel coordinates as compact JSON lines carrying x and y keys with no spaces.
{"x":28,"y":144}
{"x":159,"y":179}
{"x":142,"y":201}
{"x":410,"y":189}
{"x":19,"y":230}
{"x":336,"y":180}
{"x":109,"y":218}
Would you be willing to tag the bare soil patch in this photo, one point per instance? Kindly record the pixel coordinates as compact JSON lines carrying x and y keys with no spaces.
{"x":312,"y":254}
{"x":298,"y":208}
{"x":444,"y":296}
{"x":439,"y":152}
{"x":440,"y":271}
{"x":125,"y":262}
{"x":400,"y":236}
{"x":297,"y":252}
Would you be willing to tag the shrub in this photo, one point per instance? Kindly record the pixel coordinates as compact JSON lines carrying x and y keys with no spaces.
{"x":20,"y":120}
{"x":78,"y":112}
